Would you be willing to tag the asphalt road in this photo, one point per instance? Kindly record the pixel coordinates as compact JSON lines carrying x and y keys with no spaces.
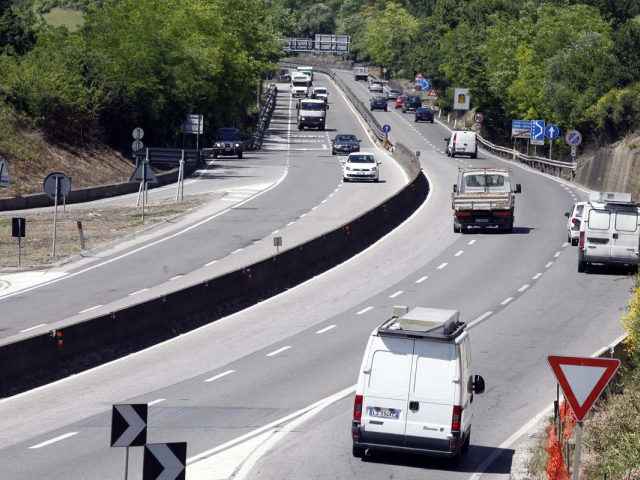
{"x":293,"y":176}
{"x":266,"y":393}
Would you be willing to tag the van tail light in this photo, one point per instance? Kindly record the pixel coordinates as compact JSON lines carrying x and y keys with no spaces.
{"x":357,"y":409}
{"x":454,"y":144}
{"x":456,"y":418}
{"x":581,"y":240}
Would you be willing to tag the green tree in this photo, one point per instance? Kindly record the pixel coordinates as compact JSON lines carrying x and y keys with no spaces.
{"x":315,"y":20}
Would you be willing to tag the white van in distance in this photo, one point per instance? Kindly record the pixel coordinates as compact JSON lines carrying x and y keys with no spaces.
{"x":462,"y":143}
{"x":415,"y":389}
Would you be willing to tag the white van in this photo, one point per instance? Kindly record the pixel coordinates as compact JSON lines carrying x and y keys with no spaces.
{"x":609,"y":232}
{"x":415,"y":388}
{"x":462,"y":143}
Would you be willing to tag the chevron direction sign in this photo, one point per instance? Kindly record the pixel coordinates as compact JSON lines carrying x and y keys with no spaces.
{"x":164,"y":461}
{"x":129,"y":425}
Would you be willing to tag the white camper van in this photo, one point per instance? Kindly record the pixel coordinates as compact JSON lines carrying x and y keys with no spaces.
{"x":415,"y":390}
{"x":609,"y":232}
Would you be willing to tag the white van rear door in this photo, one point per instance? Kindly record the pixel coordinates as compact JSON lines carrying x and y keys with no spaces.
{"x":435,"y":376}
{"x":386,"y":390}
{"x":625,"y":246}
{"x":598,"y":234}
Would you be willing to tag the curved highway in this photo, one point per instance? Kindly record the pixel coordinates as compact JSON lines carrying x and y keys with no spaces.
{"x":268,"y":392}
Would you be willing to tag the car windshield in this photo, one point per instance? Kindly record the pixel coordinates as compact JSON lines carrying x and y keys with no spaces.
{"x":423,"y":110}
{"x":380,"y":99}
{"x":312,"y":106}
{"x":346,"y":138}
{"x":320,"y":90}
{"x":394,"y":91}
{"x":361,"y":159}
{"x":376,"y":82}
{"x":228,"y":134}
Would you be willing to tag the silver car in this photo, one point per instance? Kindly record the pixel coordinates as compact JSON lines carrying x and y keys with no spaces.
{"x":375,"y":86}
{"x":393,"y":94}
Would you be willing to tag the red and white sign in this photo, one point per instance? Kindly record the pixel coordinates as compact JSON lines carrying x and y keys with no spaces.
{"x":432,"y":94}
{"x":479,"y":117}
{"x":419,"y":76}
{"x":384,"y":70}
{"x":582,"y":379}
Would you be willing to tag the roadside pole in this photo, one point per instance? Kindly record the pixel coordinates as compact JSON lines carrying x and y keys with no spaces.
{"x":126,"y":463}
{"x":55,"y":215}
{"x":576,"y":457}
{"x":81,"y":233}
{"x":180,"y":186}
{"x":144,"y":185}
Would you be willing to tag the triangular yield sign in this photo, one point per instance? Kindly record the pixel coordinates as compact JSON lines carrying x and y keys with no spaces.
{"x":582,"y":379}
{"x":149,"y":176}
{"x":432,"y":93}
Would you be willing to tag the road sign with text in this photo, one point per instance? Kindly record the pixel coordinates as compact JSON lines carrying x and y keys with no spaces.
{"x":521,"y":128}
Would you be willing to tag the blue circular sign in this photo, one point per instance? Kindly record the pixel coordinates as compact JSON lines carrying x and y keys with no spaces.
{"x":551,"y":132}
{"x":314,"y":54}
{"x":386,"y":128}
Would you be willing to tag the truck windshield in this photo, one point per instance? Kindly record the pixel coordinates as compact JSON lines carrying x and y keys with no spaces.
{"x":300,"y":83}
{"x":480,"y":181}
{"x":313,"y":106}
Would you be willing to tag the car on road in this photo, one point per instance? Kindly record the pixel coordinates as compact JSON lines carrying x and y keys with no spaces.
{"x":411,"y":104}
{"x":361,"y":166}
{"x":228,"y":142}
{"x":321,"y":93}
{"x":462,"y":143}
{"x":378,"y":102}
{"x":400,"y":101}
{"x":393,"y":94}
{"x":424,"y":114}
{"x":345,"y":144}
{"x":574,"y":217}
{"x":375,"y":86}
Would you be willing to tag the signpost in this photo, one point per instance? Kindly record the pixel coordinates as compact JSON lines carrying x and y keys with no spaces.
{"x":193,"y":123}
{"x":18,"y":227}
{"x":573,"y":139}
{"x":582,"y":380}
{"x":144,"y":176}
{"x":164,"y":461}
{"x":551,"y":132}
{"x":57,"y":186}
{"x":386,"y":129}
{"x":137,"y":144}
{"x":5,"y":178}
{"x":277,"y":242}
{"x":461,"y":99}
{"x":537,"y":132}
{"x":129,"y":428}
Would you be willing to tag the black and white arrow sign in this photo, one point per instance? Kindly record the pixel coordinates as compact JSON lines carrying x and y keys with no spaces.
{"x":129,"y":425}
{"x":164,"y":461}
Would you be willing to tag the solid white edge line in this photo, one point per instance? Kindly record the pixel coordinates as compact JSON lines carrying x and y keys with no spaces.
{"x":176,"y":277}
{"x":224,"y":374}
{"x":155,"y":401}
{"x":280,"y":350}
{"x":478,"y":320}
{"x":211,"y":263}
{"x":32,"y":328}
{"x":89,"y":309}
{"x":523,"y":288}
{"x":364,"y":310}
{"x":326,"y":329}
{"x":138,"y":292}
{"x":236,"y":251}
{"x":53,"y":440}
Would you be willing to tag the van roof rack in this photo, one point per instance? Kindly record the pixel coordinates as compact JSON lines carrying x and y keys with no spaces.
{"x":423,"y":323}
{"x":611,"y":197}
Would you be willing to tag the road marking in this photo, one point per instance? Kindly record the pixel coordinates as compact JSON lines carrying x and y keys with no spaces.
{"x":280,"y":350}
{"x":565,"y":244}
{"x":32,"y":328}
{"x":442,"y":266}
{"x":314,"y":207}
{"x":290,"y":223}
{"x":472,"y":242}
{"x":228,"y":372}
{"x":480,"y":319}
{"x":326,"y":329}
{"x":176,"y":277}
{"x":53,"y":440}
{"x":230,"y":199}
{"x":324,"y":201}
{"x":139,"y":291}
{"x":324,"y":147}
{"x":557,"y":254}
{"x":537,"y":276}
{"x":303,"y":215}
{"x":399,"y":292}
{"x":89,"y":309}
{"x":364,"y":311}
{"x":236,"y":251}
{"x":274,"y":232}
{"x":422,"y":279}
{"x":336,"y":190}
{"x":459,"y":253}
{"x":256,"y":241}
{"x":210,"y":263}
{"x":155,"y":401}
{"x":548,"y":265}
{"x":504,"y":302}
{"x":241,"y":195}
{"x":523,"y":288}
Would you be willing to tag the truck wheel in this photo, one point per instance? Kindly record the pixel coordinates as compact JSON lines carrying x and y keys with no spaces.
{"x":581,"y":266}
{"x":322,"y":128}
{"x":452,"y":155}
{"x":385,"y":109}
{"x":358,"y":452}
{"x":239,"y":154}
{"x":432,"y":121}
{"x":300,"y":127}
{"x":574,"y":242}
{"x":333,"y":152}
{"x":474,"y":155}
{"x":456,"y":229}
{"x":509,"y":228}
{"x":467,"y":442}
{"x":215,"y":155}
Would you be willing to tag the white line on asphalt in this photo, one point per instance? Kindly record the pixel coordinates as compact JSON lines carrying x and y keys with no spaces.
{"x":236,"y":251}
{"x":241,"y":195}
{"x":459,"y":253}
{"x":557,"y":254}
{"x":314,"y":207}
{"x":155,"y":401}
{"x":256,"y":241}
{"x":210,"y":263}
{"x":504,"y":302}
{"x":290,"y":223}
{"x":422,"y":279}
{"x":303,"y":215}
{"x":228,"y":372}
{"x":331,"y":195}
{"x":537,"y":276}
{"x":324,"y":201}
{"x":176,"y":277}
{"x":230,"y":199}
{"x":472,"y":242}
{"x":89,"y":309}
{"x":326,"y":329}
{"x":399,"y":292}
{"x":32,"y":328}
{"x":442,"y":266}
{"x":139,"y":291}
{"x":364,"y":310}
{"x":336,"y":190}
{"x":324,"y":147}
{"x":480,"y":319}
{"x":53,"y":440}
{"x":274,"y":232}
{"x":565,"y":244}
{"x":278,"y":351}
{"x":548,"y":265}
{"x":523,"y":288}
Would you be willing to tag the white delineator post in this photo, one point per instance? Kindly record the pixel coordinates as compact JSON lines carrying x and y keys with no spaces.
{"x":81,"y":233}
{"x":55,"y":215}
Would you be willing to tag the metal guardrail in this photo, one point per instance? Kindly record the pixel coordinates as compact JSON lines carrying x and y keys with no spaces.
{"x":255,"y":142}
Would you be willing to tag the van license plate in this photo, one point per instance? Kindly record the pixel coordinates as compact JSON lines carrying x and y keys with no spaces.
{"x":482,"y":220}
{"x":384,"y":413}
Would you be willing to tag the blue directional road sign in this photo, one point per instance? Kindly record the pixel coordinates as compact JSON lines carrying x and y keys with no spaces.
{"x":314,"y":54}
{"x":386,"y":128}
{"x":551,"y":132}
{"x":537,"y":132}
{"x":425,"y":84}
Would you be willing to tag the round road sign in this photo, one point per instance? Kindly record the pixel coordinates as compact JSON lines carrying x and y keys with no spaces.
{"x":138,"y":133}
{"x":64,"y":185}
{"x":137,"y":145}
{"x":573,"y":138}
{"x":386,"y":128}
{"x":479,"y":117}
{"x":384,"y":70}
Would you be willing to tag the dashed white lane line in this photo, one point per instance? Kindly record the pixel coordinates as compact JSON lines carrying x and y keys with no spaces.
{"x":89,"y":309}
{"x":326,"y":329}
{"x":442,"y":266}
{"x":32,"y":328}
{"x":472,"y":242}
{"x":155,"y":401}
{"x":459,"y":253}
{"x":211,"y":263}
{"x":274,"y":232}
{"x":324,"y":201}
{"x":139,"y":291}
{"x":557,"y":254}
{"x":314,"y":207}
{"x":290,"y":223}
{"x":548,"y":265}
{"x":480,"y":319}
{"x":422,"y":279}
{"x":303,"y":215}
{"x":53,"y":440}
{"x":504,"y":302}
{"x":280,"y":350}
{"x":537,"y":276}
{"x":399,"y":292}
{"x":236,"y":251}
{"x":176,"y":277}
{"x":364,"y":310}
{"x":523,"y":288}
{"x":224,"y":374}
{"x":565,"y":244}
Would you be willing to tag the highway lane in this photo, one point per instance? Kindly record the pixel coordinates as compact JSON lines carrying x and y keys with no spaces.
{"x":309,"y":184}
{"x":508,"y":347}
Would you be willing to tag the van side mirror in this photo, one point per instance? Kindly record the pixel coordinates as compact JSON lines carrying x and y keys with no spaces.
{"x":359,"y":141}
{"x":447,"y":139}
{"x":455,"y":188}
{"x":478,"y":384}
{"x":518,"y":188}
{"x":297,"y":106}
{"x":567,"y":215}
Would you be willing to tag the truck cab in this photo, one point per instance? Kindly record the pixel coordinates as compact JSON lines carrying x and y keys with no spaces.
{"x":306,"y":71}
{"x":312,"y":112}
{"x":300,"y":84}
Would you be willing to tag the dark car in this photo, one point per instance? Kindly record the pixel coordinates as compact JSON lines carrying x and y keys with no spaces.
{"x":378,"y":103}
{"x":228,"y":142}
{"x":345,"y":144}
{"x":411,"y":103}
{"x":424,"y":114}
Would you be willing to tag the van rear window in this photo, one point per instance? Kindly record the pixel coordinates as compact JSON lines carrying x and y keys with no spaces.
{"x":599,"y":219}
{"x":389,"y":373}
{"x":626,"y":221}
